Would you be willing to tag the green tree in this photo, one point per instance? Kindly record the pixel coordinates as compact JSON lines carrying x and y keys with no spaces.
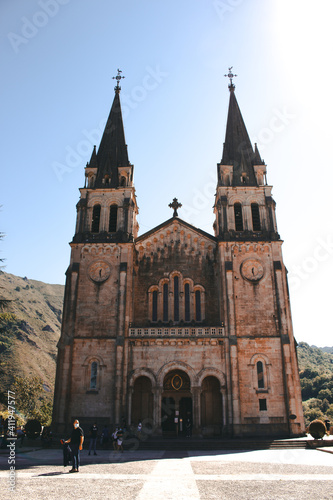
{"x":27,"y":392}
{"x":325,"y":394}
{"x":31,"y":400}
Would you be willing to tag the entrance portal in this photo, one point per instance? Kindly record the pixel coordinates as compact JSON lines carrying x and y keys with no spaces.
{"x":176,"y":403}
{"x":211,"y":406}
{"x":142,"y":401}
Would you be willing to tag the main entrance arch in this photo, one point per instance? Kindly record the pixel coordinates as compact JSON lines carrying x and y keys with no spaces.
{"x":176,"y":405}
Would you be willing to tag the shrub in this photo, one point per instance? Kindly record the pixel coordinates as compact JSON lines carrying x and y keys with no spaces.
{"x":317,"y":429}
{"x":33,"y":428}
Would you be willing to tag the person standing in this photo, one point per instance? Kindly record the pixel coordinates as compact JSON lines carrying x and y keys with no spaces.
{"x":188,"y":427}
{"x":76,"y":441}
{"x":120,"y":440}
{"x":93,"y":438}
{"x":139,"y":430}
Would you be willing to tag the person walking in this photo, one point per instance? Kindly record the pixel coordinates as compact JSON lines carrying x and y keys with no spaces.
{"x":76,"y":441}
{"x":114,"y":439}
{"x":93,"y":438}
{"x":120,"y":440}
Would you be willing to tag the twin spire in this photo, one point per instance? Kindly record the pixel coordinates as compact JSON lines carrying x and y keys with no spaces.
{"x":112,"y":152}
{"x":237,"y":148}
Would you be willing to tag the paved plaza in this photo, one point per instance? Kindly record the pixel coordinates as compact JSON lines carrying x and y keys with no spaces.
{"x":175,"y":475}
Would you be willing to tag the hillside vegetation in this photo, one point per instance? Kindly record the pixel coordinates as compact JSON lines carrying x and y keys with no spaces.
{"x":316,"y":374}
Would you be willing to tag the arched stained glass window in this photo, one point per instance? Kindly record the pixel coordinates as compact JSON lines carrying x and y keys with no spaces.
{"x":154,"y":308}
{"x":176,"y":298}
{"x":93,"y":375}
{"x":260,"y":375}
{"x":187,"y":302}
{"x":165,"y":302}
{"x":198,"y":305}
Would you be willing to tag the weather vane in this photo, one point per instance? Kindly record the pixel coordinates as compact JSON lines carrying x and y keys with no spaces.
{"x":118,"y":78}
{"x":230,"y":75}
{"x":175,"y":205}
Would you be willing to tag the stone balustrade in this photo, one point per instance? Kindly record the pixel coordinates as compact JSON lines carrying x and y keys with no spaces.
{"x":175,"y":331}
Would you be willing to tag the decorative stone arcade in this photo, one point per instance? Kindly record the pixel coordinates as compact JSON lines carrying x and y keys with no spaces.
{"x":164,"y":407}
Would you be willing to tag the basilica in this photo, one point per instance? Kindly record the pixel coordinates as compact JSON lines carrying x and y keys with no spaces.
{"x":178,"y":325}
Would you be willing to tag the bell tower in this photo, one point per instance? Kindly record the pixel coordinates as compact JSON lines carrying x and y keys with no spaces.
{"x":99,"y":285}
{"x":254,"y":289}
{"x":107,"y":208}
{"x":244,"y":207}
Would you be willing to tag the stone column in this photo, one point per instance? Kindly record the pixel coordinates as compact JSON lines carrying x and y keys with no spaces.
{"x":157,"y":410}
{"x":196,"y":414}
{"x":130,"y":398}
{"x":120,"y":339}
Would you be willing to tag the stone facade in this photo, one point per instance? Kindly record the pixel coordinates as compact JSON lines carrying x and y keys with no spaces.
{"x":178,"y":324}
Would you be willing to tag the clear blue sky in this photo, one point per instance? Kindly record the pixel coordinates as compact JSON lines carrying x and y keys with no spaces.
{"x":58,"y":59}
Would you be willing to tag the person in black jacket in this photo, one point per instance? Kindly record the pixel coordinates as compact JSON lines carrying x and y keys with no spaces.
{"x":93,"y":438}
{"x":76,"y":440}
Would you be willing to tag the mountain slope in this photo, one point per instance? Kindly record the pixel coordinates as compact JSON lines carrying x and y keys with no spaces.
{"x":29,"y":328}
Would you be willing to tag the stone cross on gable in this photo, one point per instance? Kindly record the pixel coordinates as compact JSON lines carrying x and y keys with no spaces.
{"x":175,"y":205}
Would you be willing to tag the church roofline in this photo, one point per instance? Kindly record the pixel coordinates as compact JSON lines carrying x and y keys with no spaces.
{"x":175,"y":220}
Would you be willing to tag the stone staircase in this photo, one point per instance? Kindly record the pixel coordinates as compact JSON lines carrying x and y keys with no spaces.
{"x":223,"y":444}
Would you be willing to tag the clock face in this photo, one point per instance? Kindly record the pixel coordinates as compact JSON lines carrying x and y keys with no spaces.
{"x":99,"y":271}
{"x":252,"y":270}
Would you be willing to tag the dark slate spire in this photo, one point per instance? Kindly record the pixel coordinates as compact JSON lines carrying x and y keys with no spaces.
{"x":237,"y":148}
{"x":257,"y":157}
{"x":93,"y":159}
{"x":112,"y":151}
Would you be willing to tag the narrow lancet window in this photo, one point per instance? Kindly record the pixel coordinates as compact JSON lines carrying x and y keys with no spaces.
{"x":154,"y":308}
{"x":238,"y":217}
{"x":96,"y":218}
{"x":165,"y":302}
{"x":176,"y":298}
{"x":260,"y":375}
{"x":255,"y":217}
{"x":93,"y":375}
{"x":198,"y":305}
{"x":113,"y":219}
{"x":187,"y":302}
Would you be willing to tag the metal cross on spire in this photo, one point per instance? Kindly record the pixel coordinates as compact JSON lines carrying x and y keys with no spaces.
{"x":175,"y":205}
{"x":118,"y":78}
{"x":230,"y":75}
